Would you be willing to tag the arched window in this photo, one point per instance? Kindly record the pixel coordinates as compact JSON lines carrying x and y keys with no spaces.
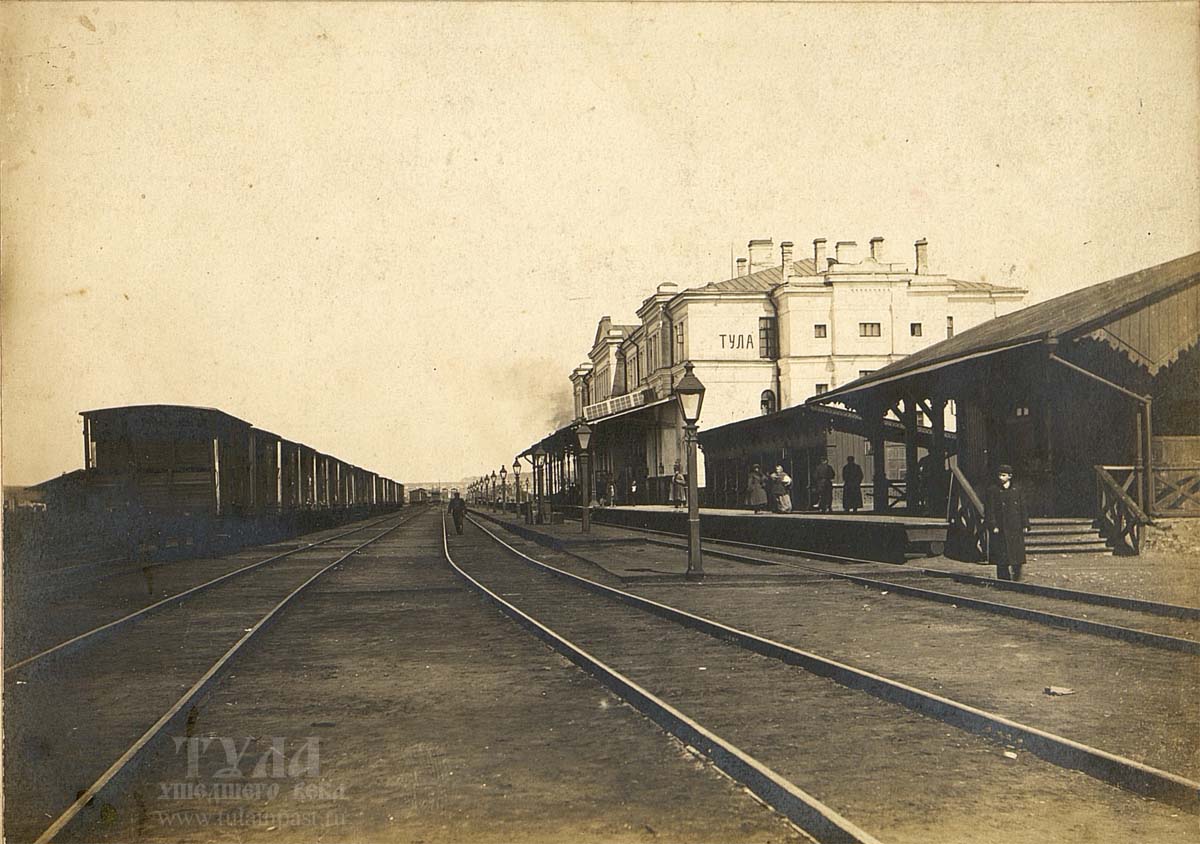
{"x":767,"y":402}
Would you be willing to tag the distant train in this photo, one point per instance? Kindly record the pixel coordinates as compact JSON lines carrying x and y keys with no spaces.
{"x":173,"y":473}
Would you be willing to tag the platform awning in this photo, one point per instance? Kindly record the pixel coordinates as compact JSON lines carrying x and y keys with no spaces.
{"x":633,"y":410}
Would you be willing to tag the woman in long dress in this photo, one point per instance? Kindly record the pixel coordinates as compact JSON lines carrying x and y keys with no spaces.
{"x":781,"y":483}
{"x":678,"y":488}
{"x":756,"y":489}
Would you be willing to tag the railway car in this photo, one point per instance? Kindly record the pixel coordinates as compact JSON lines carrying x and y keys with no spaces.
{"x":175,"y":475}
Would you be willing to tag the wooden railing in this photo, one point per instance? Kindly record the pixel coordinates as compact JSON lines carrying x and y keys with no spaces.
{"x":1118,"y":516}
{"x":1175,"y":490}
{"x":964,"y":512}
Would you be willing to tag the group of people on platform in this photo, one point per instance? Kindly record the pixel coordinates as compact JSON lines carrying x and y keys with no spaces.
{"x":769,"y":492}
{"x":774,"y":491}
{"x":1005,"y":516}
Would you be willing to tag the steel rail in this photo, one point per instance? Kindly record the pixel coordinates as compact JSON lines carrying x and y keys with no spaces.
{"x":800,"y":807}
{"x":1080,"y":625}
{"x":95,"y":634}
{"x":125,"y":762}
{"x":1112,"y":768}
{"x":1097,"y":598}
{"x":1065,"y":622}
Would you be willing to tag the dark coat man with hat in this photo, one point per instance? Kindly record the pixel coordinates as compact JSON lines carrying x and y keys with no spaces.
{"x":458,"y":509}
{"x":1007,"y":522}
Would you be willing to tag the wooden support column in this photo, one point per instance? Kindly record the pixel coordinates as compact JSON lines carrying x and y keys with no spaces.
{"x":1139,"y":465}
{"x":911,"y":481}
{"x":1148,"y":448}
{"x":873,"y":419}
{"x":937,"y":481}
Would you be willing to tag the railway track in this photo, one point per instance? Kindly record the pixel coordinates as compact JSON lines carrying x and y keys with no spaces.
{"x":1152,"y":624}
{"x":102,"y":615}
{"x":825,"y":740}
{"x":81,"y":721}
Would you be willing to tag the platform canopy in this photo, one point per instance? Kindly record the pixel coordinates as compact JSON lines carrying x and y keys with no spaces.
{"x":1064,"y":390}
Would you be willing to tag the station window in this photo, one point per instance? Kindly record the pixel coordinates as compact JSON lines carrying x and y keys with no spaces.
{"x":820,"y":330}
{"x":822,"y":388}
{"x":768,"y":334}
{"x":679,"y":342}
{"x":1022,"y":412}
{"x":767,"y":402}
{"x":949,"y":327}
{"x":869,"y":329}
{"x":914,"y":329}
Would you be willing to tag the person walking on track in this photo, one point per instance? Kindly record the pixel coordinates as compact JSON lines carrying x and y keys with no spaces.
{"x":756,"y":489}
{"x":1007,"y":523}
{"x":852,"y":478}
{"x":458,"y":509}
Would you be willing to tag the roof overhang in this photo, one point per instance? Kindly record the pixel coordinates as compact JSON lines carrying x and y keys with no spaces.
{"x":871,"y":382}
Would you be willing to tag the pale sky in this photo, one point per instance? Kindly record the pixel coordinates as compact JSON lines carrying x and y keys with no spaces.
{"x":389,"y":230}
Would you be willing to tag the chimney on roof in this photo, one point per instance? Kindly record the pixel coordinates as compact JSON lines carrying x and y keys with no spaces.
{"x":819,"y":255}
{"x":847,"y":252}
{"x":741,"y":267}
{"x":760,"y":254}
{"x":785,"y":250}
{"x":922,"y":246}
{"x":877,"y":249}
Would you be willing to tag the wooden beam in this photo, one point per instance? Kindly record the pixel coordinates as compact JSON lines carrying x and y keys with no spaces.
{"x":911,"y":485}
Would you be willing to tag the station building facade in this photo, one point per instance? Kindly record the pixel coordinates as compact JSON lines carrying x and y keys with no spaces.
{"x":781,"y":330}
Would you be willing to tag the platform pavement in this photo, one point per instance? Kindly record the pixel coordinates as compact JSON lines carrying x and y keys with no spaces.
{"x":434,"y":719}
{"x":1170,"y":573}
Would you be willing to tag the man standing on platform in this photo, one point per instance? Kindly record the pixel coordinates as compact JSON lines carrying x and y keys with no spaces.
{"x":1007,"y":523}
{"x":852,"y":478}
{"x":823,"y":485}
{"x":458,"y":509}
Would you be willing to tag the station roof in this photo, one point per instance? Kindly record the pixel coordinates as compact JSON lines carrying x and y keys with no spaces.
{"x":1065,"y":317}
{"x":764,"y":281}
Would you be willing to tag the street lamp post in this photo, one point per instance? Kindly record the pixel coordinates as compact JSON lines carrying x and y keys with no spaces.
{"x":503,"y":488}
{"x":539,"y":481}
{"x":584,"y":435}
{"x":689,"y":392}
{"x":517,"y":483}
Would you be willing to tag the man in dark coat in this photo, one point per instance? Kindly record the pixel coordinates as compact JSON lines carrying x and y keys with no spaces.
{"x":852,"y":478}
{"x":823,"y":478}
{"x":1007,"y":523}
{"x":458,"y":509}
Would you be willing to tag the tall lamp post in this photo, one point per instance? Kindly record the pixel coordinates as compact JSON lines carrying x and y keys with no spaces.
{"x":539,"y":482}
{"x":492,"y":496}
{"x":584,"y":435}
{"x":689,"y":392}
{"x":517,"y":483}
{"x":503,"y":488}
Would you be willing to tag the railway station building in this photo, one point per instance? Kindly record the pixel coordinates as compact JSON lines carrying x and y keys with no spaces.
{"x":781,"y":330}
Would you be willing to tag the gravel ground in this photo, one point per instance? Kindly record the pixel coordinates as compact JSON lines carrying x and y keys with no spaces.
{"x":438,"y":721}
{"x":1128,"y":699}
{"x":901,"y":776}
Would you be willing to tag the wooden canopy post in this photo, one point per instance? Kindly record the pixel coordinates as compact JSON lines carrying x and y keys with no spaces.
{"x":872,"y":415}
{"x":936,"y":497}
{"x":1148,"y":461}
{"x":912,"y":486}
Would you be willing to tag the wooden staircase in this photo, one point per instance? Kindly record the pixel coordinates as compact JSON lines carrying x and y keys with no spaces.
{"x":1064,"y":536}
